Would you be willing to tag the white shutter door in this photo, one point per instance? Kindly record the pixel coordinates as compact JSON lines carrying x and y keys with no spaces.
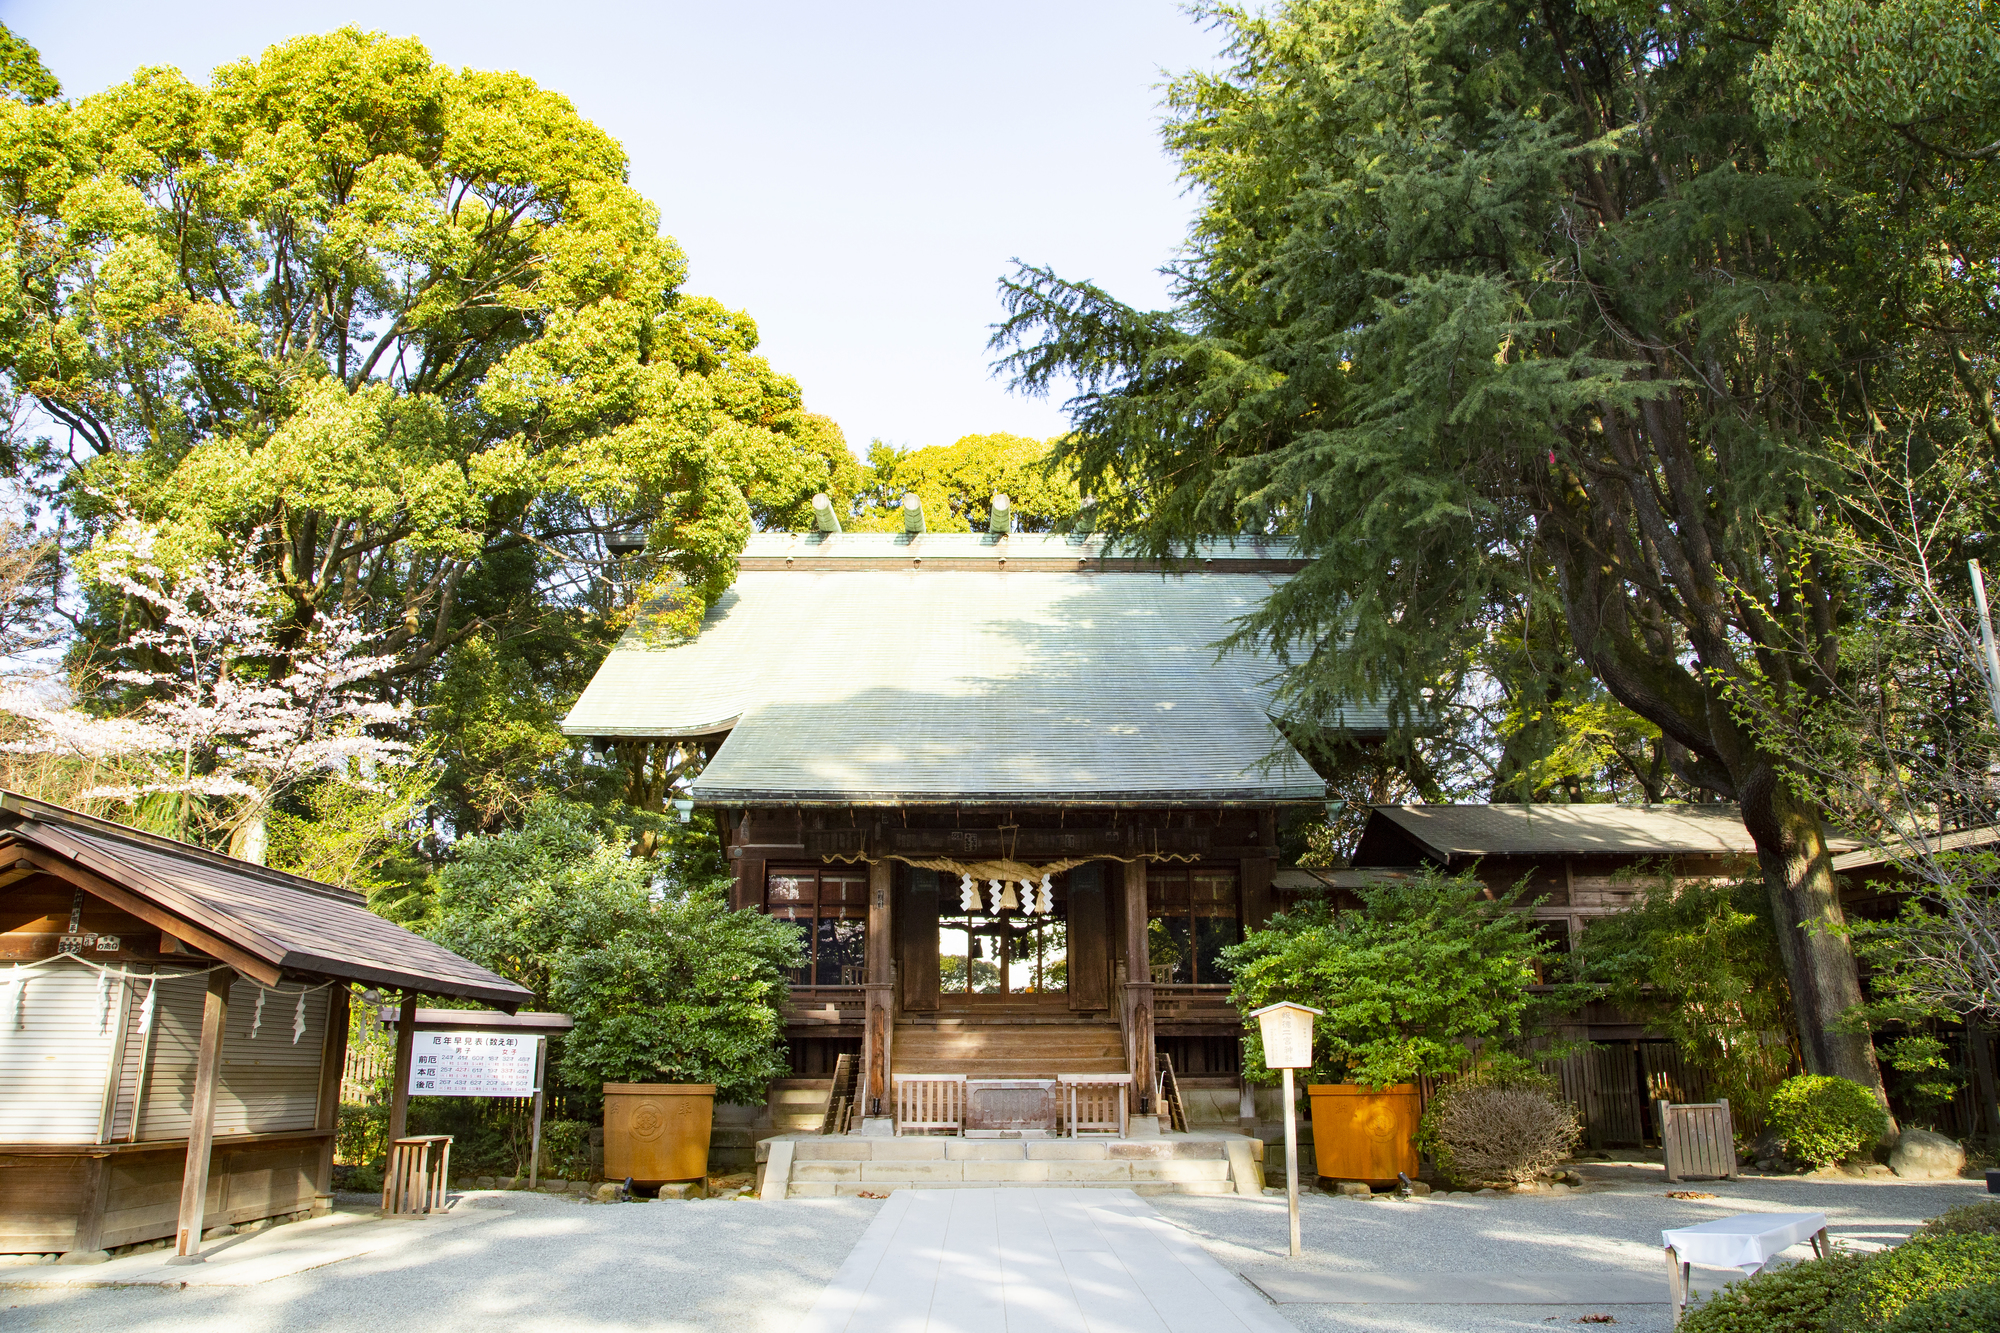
{"x":54,"y":1062}
{"x":269,"y":1083}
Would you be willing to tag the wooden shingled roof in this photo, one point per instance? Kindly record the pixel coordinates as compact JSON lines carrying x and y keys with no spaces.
{"x":263,"y":922}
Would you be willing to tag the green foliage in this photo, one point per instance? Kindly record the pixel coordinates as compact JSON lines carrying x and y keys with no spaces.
{"x":1974,"y":1308}
{"x":566,"y":1151}
{"x":22,"y":74}
{"x":1420,"y":969}
{"x":666,"y":983}
{"x":1967,"y":1219}
{"x":1700,"y":963}
{"x":1925,"y":1077}
{"x":957,"y":483}
{"x":1797,"y":1298}
{"x":1920,"y":1267}
{"x":361,"y":1133}
{"x":1824,"y":1119}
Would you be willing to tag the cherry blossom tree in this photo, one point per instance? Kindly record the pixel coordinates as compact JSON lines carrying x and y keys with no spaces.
{"x":235,"y":707}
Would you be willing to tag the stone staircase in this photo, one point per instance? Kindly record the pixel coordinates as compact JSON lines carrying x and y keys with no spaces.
{"x":1008,"y":1048}
{"x":798,"y":1105}
{"x":813,"y":1166}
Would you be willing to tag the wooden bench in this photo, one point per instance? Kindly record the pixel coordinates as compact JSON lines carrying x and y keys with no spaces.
{"x":417,"y":1181}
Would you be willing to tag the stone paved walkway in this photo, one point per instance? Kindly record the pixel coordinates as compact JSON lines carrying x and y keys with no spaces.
{"x":1047,"y":1260}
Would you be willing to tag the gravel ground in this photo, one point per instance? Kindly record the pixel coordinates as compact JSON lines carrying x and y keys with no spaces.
{"x":554,"y":1266}
{"x":559,"y":1265}
{"x":1601,"y":1228}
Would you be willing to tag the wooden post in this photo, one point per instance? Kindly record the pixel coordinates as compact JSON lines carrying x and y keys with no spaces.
{"x":399,"y":1093}
{"x":201,"y":1118}
{"x":1138,"y":998}
{"x":535,"y":1133}
{"x":332,"y":1071}
{"x":879,"y":1032}
{"x":1292,"y":1161}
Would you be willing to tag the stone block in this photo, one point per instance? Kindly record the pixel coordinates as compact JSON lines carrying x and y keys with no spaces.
{"x":826,"y":1171}
{"x":608,"y":1192}
{"x":218,"y":1233}
{"x":1922,"y":1155}
{"x":881,"y":1189}
{"x":86,"y":1256}
{"x":1028,"y":1172}
{"x":912,"y":1170}
{"x":487,"y":1182}
{"x":1068,"y":1150}
{"x":813,"y":1189}
{"x":985,"y":1150}
{"x":1243,"y":1168}
{"x":1352,"y":1188}
{"x":1180,"y":1170}
{"x":908,"y":1150}
{"x":831,"y":1150}
{"x":1089,"y":1171}
{"x":1130,"y":1149}
{"x":683,"y":1189}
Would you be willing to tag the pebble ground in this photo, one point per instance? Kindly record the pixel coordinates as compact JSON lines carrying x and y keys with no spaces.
{"x":560,"y":1265}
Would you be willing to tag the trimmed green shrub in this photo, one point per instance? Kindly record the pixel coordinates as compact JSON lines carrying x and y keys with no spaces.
{"x":1973,"y":1309}
{"x":1798,"y":1298}
{"x":1824,"y":1119}
{"x":1920,"y":1267}
{"x":1968,"y":1219}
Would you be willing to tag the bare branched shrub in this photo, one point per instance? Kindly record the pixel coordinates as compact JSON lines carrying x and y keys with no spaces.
{"x":1493,"y":1133}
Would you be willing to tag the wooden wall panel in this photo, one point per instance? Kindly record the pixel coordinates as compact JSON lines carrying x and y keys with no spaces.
{"x":917,"y":941}
{"x":40,"y":1201}
{"x":1089,"y":939}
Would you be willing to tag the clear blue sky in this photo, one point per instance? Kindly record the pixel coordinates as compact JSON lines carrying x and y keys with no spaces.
{"x":855,"y":175}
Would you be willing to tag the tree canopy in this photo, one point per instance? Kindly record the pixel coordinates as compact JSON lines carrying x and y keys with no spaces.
{"x":1496,"y":300}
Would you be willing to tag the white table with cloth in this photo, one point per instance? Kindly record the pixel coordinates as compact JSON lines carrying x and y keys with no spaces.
{"x":1747,"y":1241}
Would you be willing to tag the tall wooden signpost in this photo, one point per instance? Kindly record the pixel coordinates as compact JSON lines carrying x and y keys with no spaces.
{"x":1287,"y":1030}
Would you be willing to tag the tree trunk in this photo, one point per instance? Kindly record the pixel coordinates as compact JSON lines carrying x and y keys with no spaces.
{"x":1805,"y":910}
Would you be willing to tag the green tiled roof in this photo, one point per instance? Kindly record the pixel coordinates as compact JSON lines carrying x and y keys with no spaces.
{"x":956,"y":667}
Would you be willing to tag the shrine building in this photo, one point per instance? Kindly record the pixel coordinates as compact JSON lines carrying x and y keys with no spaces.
{"x":979,"y":774}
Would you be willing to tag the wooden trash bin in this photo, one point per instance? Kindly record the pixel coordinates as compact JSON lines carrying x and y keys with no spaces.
{"x":1366,"y":1134}
{"x":657,"y":1132}
{"x":1697,"y":1141}
{"x":419,"y":1176}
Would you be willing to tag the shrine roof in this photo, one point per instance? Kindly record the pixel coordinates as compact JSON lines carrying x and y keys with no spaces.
{"x":956,"y":667}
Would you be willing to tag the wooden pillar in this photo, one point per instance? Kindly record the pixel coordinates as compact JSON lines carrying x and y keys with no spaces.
{"x":332,"y":1069}
{"x":1138,"y":997}
{"x":879,"y":988}
{"x":201,"y":1118}
{"x":399,"y":1092}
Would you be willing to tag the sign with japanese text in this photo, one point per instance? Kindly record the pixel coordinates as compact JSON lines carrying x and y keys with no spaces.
{"x":474,"y":1064}
{"x":1287,"y":1030}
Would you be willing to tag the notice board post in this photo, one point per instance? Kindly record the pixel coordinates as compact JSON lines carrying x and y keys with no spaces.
{"x":1287,"y":1030}
{"x":480,"y":1053}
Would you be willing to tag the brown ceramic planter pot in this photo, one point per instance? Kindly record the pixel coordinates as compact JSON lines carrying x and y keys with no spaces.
{"x":1364,"y":1133}
{"x":657,"y":1132}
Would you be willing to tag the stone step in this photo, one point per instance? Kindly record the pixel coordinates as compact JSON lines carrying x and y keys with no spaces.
{"x":849,"y":1189}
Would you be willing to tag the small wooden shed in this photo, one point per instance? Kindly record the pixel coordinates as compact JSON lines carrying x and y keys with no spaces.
{"x":173,"y":1025}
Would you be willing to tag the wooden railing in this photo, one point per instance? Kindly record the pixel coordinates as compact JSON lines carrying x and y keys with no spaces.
{"x":1095,"y":1103}
{"x":925,"y":1102}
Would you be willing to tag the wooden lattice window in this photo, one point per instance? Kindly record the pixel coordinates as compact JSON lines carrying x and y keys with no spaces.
{"x":1193,"y":915}
{"x":828,"y":906}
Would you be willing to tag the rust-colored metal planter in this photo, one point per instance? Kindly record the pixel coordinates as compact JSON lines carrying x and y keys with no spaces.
{"x":657,"y":1132}
{"x":1364,"y":1133}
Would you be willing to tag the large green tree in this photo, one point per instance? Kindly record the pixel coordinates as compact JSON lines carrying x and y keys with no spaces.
{"x":404,"y":338}
{"x":1479,"y":286}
